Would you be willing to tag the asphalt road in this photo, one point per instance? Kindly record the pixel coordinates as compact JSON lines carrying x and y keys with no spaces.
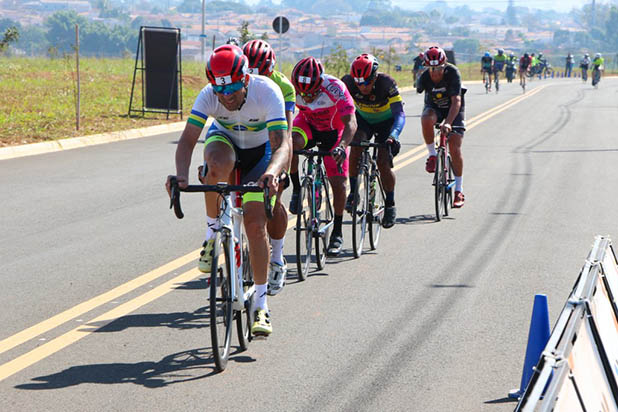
{"x":435,"y":320}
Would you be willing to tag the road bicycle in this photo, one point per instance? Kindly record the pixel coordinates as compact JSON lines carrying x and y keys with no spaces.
{"x":231,"y":285}
{"x":369,"y":199}
{"x":497,"y":79}
{"x":314,"y":222}
{"x":522,"y":82}
{"x":596,"y":77}
{"x":443,"y":180}
{"x":486,"y":81}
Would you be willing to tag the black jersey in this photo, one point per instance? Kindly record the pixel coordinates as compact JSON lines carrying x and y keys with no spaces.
{"x":376,"y":106}
{"x":438,"y":95}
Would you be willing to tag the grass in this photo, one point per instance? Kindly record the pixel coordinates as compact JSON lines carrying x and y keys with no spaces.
{"x":37,"y":102}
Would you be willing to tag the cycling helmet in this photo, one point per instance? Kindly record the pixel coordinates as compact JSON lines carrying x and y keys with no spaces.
{"x":261,"y":57}
{"x":434,"y":56}
{"x":487,"y":54}
{"x":307,"y":76}
{"x":597,"y":56}
{"x":500,"y":51}
{"x":511,"y":54}
{"x":421,"y":55}
{"x":526,"y":55}
{"x":233,"y":40}
{"x":227,"y":64}
{"x":586,"y":55}
{"x":540,"y":55}
{"x":364,"y":68}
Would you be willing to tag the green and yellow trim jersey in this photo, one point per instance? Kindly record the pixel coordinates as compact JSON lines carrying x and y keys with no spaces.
{"x":598,"y":62}
{"x":248,"y":127}
{"x":287,"y":88}
{"x":376,"y":106}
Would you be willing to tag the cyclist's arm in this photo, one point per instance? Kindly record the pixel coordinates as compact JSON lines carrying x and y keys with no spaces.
{"x":349,"y":128}
{"x":399,"y":119}
{"x":289,"y":117}
{"x":185,"y":147}
{"x":280,"y":144}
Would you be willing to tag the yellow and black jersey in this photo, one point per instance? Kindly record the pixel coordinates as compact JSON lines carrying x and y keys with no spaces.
{"x":376,"y":106}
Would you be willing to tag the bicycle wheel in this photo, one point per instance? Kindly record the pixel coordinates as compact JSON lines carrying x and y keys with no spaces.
{"x":359,"y":217}
{"x":439,"y":183}
{"x":486,"y":80}
{"x":376,"y":209}
{"x":326,"y":216}
{"x":497,"y":81}
{"x":448,"y":189}
{"x":304,"y":235}
{"x":220,"y":302}
{"x":243,"y":325}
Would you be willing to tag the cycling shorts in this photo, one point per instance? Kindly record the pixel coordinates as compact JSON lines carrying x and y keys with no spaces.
{"x":252,"y":163}
{"x":458,"y":125}
{"x":487,"y":70}
{"x":366,"y":130}
{"x":324,"y":140}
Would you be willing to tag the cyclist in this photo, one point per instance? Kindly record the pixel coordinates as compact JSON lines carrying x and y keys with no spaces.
{"x":379,"y":112}
{"x":511,"y":67}
{"x":597,"y":66}
{"x":533,"y":63}
{"x":499,"y":62}
{"x":444,"y":101}
{"x":487,"y":64}
{"x":525,"y":62}
{"x":248,"y":132}
{"x":568,"y":68}
{"x":584,"y":64}
{"x":262,"y":61}
{"x":418,"y":66}
{"x":326,"y":119}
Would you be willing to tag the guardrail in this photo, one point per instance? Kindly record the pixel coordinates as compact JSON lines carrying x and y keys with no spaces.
{"x":578,"y":370}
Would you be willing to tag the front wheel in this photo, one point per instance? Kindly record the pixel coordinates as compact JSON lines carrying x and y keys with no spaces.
{"x":376,"y":210}
{"x":243,"y":324}
{"x":448,"y":187}
{"x":304,"y":235}
{"x":439,"y":183}
{"x":220,"y":302}
{"x":326,"y":217}
{"x":359,"y":215}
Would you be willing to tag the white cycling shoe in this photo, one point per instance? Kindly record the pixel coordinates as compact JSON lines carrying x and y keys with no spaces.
{"x":276,"y":277}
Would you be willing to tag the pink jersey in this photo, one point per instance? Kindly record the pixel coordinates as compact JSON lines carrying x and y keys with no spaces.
{"x":324,"y":113}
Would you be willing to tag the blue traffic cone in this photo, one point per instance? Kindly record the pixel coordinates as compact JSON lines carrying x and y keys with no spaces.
{"x":538,"y":335}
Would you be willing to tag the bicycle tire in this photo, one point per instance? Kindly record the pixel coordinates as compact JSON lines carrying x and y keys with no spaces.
{"x":438,"y":183}
{"x":376,"y":210}
{"x":326,"y":217}
{"x":243,"y":326}
{"x":448,"y":192}
{"x":304,"y":235}
{"x":220,"y":302}
{"x":359,"y":216}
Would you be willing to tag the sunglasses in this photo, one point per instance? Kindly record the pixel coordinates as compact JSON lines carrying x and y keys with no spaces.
{"x":310,"y":95}
{"x":437,"y":69}
{"x":364,"y":83}
{"x":228,"y":89}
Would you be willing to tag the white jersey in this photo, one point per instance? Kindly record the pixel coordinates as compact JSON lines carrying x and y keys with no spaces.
{"x":263,"y":110}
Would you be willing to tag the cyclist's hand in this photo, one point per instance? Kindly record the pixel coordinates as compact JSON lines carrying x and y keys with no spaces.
{"x":446,"y":128}
{"x":182,"y":183}
{"x":339,"y":154}
{"x":270,"y":180}
{"x":394,"y":145}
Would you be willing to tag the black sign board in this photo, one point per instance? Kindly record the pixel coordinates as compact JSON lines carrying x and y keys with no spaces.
{"x":281,"y":24}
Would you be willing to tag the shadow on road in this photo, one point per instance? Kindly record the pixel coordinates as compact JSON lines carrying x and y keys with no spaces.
{"x":176,"y":320}
{"x":176,"y":368}
{"x":501,"y":400}
{"x":418,"y":219}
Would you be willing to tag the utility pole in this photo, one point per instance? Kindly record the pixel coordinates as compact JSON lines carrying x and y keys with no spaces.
{"x":203,"y":36}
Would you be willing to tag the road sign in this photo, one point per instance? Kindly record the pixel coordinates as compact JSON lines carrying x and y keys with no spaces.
{"x":281,"y":24}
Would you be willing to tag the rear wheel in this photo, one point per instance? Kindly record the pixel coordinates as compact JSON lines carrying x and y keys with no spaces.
{"x":438,"y":179}
{"x":448,"y":189}
{"x":326,"y":216}
{"x":304,"y":237}
{"x":359,"y":216}
{"x":376,"y":210}
{"x":242,"y":316}
{"x":220,"y":302}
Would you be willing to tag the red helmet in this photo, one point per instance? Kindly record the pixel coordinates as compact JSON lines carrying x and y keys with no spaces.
{"x":261,"y":56}
{"x":307,"y":75}
{"x":421,"y":55}
{"x":364,"y":68}
{"x":434,"y":56}
{"x":227,"y":64}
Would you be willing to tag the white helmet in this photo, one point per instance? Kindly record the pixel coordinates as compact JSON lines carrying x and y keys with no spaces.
{"x":597,"y":56}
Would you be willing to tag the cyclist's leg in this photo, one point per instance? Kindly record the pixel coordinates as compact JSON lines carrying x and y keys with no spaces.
{"x":455,"y":141}
{"x":301,"y":138}
{"x":429,"y":117}
{"x":386,"y":173}
{"x":363,"y":131}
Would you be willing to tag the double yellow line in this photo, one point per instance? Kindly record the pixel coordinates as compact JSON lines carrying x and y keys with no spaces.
{"x":74,"y":335}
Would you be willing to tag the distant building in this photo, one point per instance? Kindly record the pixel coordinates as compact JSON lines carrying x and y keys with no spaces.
{"x":57,"y":5}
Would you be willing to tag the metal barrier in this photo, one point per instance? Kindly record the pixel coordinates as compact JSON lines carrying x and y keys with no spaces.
{"x":578,"y":370}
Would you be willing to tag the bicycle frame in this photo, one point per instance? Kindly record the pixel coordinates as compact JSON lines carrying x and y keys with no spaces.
{"x":314,"y":172}
{"x":443,"y":140}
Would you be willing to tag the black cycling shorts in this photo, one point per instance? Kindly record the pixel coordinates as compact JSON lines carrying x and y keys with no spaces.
{"x":459,"y":124}
{"x":366,"y":130}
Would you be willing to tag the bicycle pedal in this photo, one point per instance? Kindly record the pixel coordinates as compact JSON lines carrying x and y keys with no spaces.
{"x":248,"y":283}
{"x":260,"y":336}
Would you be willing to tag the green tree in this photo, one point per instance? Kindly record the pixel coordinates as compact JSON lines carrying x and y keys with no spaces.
{"x":61,"y":33}
{"x":469,"y":46}
{"x":32,"y":40}
{"x":337,"y":62}
{"x":10,"y":35}
{"x":611,"y":28}
{"x":245,"y":34}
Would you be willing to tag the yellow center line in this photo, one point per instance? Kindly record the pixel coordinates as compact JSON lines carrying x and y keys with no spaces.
{"x":55,"y":345}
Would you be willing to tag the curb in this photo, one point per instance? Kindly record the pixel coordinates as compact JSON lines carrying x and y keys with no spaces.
{"x":11,"y":152}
